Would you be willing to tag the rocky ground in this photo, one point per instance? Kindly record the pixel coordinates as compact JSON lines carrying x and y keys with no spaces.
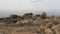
{"x":33,"y":29}
{"x":32,"y":25}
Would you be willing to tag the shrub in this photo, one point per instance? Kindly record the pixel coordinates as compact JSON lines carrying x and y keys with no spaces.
{"x":14,"y":16}
{"x":43,"y":15}
{"x":55,"y":22}
{"x":27,"y":15}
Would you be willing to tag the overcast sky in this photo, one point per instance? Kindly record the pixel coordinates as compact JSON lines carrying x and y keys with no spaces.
{"x":19,"y":6}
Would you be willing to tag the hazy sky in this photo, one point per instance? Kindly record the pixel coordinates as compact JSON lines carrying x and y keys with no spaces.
{"x":29,"y":4}
{"x":10,"y":6}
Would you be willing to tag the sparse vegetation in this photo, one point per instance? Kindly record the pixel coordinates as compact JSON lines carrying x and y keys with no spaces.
{"x":28,"y":23}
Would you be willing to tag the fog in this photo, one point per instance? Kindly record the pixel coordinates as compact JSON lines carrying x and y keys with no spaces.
{"x":5,"y":13}
{"x":19,"y":7}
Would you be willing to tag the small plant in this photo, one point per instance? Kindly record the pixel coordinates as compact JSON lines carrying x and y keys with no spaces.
{"x":55,"y":22}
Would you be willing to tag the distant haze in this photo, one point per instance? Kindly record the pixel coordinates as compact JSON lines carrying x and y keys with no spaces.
{"x":5,"y":13}
{"x":7,"y":7}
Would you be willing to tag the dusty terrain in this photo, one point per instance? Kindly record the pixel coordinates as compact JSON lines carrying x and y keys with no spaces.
{"x":19,"y":30}
{"x":30,"y":25}
{"x":33,"y":29}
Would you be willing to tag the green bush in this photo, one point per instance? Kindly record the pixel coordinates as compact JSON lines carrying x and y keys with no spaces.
{"x":43,"y":15}
{"x":14,"y":16}
{"x":27,"y":15}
